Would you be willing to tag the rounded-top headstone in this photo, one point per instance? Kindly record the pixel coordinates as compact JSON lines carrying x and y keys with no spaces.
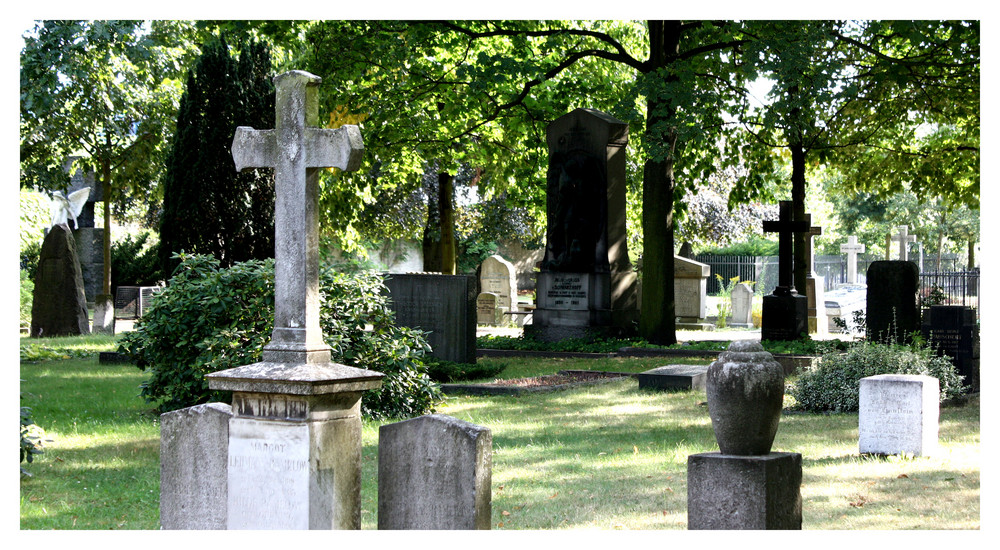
{"x":745,"y":387}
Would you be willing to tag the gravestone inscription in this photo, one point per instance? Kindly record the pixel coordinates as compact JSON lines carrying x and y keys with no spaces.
{"x":498,"y":276}
{"x":952,"y":331}
{"x":442,"y":305}
{"x":898,"y":414}
{"x":742,"y":305}
{"x":487,"y":311}
{"x":194,"y":450}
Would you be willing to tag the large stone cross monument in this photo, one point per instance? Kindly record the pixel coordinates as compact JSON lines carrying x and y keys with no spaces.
{"x":295,"y":437}
{"x":785,"y":311}
{"x":904,"y":238}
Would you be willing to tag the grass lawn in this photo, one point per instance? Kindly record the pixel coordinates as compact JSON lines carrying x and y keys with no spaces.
{"x":604,"y":457}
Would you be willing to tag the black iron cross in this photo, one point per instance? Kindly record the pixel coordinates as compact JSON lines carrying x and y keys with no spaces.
{"x":785,"y":226}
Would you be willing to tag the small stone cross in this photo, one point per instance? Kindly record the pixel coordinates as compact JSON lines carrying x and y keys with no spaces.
{"x":903,"y":238}
{"x":784,"y":227}
{"x":852,"y":248}
{"x":814,"y":231}
{"x":297,"y":149}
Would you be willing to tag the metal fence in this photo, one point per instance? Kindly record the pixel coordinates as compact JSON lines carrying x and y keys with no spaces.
{"x":947,"y":286}
{"x":131,"y":302}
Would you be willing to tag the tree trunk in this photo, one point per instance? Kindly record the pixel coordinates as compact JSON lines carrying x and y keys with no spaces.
{"x":800,"y":263}
{"x":972,"y":255}
{"x":656,"y":311}
{"x":447,"y":217}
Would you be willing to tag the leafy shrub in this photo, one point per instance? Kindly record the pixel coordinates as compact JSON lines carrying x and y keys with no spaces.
{"x":447,"y":371}
{"x":833,"y":384}
{"x":27,"y":295}
{"x":30,"y":254}
{"x":35,"y":353}
{"x":209,"y":319}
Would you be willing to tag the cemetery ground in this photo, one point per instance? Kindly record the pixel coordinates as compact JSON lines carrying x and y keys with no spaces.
{"x":606,"y":456}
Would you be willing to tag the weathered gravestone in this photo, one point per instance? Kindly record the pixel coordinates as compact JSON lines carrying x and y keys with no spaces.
{"x":487,"y":310}
{"x":59,"y":305}
{"x":498,"y":276}
{"x":690,"y":294}
{"x":89,"y":239}
{"x":891,"y":301}
{"x":586,"y":284}
{"x":953,"y":332}
{"x":442,"y":305}
{"x":674,"y":377}
{"x":746,"y":485}
{"x":294,"y":459}
{"x":785,"y":312}
{"x":434,"y":472}
{"x":194,"y":451}
{"x":741,"y":299}
{"x":898,"y":414}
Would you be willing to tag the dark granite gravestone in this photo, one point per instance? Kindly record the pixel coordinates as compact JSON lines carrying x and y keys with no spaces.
{"x":586,"y":284}
{"x":89,"y":239}
{"x":443,"y":305}
{"x":891,"y":301}
{"x":59,"y":305}
{"x":952,"y":331}
{"x":674,"y":377}
{"x":785,"y":312}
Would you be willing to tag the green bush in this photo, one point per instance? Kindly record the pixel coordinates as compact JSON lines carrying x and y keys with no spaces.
{"x":27,"y":295}
{"x":31,"y":438}
{"x":833,"y":384}
{"x":209,"y":319}
{"x":134,"y":263}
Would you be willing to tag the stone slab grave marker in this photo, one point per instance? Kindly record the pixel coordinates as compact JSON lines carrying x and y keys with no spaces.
{"x":434,"y":472}
{"x":852,"y":248}
{"x":586,"y":284}
{"x":194,"y":451}
{"x":59,"y":304}
{"x":442,"y":305}
{"x":674,"y":377}
{"x":898,"y":414}
{"x":690,"y":294}
{"x":904,"y":238}
{"x":487,"y":310}
{"x":952,"y":331}
{"x":785,"y":311}
{"x":498,"y":276}
{"x":891,"y":312}
{"x":295,"y":438}
{"x":742,"y":306}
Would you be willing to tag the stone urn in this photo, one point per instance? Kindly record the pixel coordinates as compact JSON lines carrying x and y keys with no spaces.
{"x":745,"y":387}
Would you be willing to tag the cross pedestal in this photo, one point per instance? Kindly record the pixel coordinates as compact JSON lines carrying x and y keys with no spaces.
{"x":295,"y":438}
{"x":852,"y":248}
{"x":784,"y":313}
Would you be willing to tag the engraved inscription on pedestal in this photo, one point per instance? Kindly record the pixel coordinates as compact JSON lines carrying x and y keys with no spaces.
{"x":568,"y":291}
{"x":268,"y":474}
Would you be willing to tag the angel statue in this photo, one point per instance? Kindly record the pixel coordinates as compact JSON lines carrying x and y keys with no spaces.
{"x":66,"y":208}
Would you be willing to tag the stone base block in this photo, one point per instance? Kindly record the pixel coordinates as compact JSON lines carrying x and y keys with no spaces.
{"x":674,"y":377}
{"x":784,"y":317}
{"x":744,"y":492}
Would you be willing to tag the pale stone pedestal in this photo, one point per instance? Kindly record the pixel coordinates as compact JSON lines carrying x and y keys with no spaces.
{"x":898,"y":414}
{"x":295,"y":444}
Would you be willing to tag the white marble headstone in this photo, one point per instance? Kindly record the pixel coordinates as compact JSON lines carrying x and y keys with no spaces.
{"x":898,"y":414}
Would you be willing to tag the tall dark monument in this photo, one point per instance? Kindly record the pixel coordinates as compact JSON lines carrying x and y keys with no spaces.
{"x":586,"y":284}
{"x":785,"y":312}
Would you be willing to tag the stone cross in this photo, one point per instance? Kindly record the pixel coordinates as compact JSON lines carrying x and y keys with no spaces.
{"x":903,"y":238}
{"x":852,"y":249}
{"x":785,"y":227}
{"x":297,"y":149}
{"x":814,"y":231}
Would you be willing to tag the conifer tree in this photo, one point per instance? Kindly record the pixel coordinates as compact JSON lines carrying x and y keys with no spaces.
{"x":209,"y":208}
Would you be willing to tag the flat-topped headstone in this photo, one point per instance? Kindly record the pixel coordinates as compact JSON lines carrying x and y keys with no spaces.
{"x":674,"y":377}
{"x":442,"y":305}
{"x":194,"y":454}
{"x":952,"y":331}
{"x":295,"y":437}
{"x":898,"y":414}
{"x":434,"y":472}
{"x":487,"y":311}
{"x":690,"y":289}
{"x":498,"y":276}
